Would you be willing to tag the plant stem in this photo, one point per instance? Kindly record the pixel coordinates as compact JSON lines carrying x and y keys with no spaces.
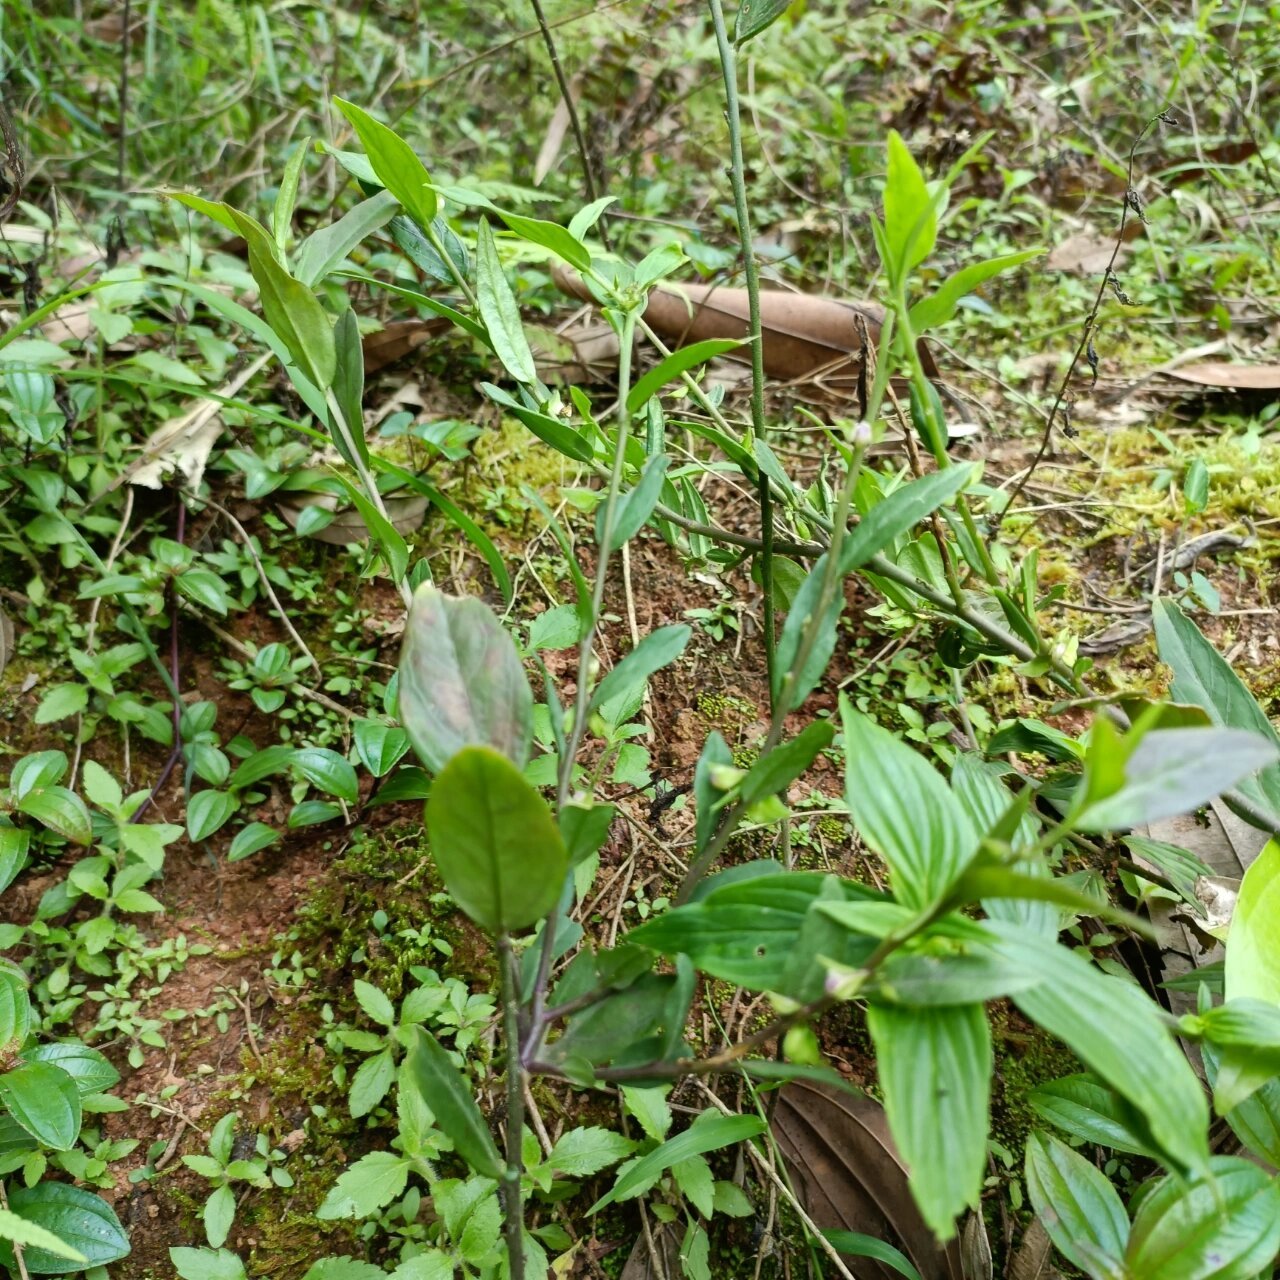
{"x":575,"y":124}
{"x":751,"y":277}
{"x":514,"y":1229}
{"x":551,"y":925}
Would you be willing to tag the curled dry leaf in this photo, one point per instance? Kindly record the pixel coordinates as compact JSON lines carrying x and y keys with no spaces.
{"x":805,"y":335}
{"x":1231,"y":377}
{"x":1086,"y":253}
{"x":348,"y":526}
{"x":850,"y":1177}
{"x":1033,"y":1257}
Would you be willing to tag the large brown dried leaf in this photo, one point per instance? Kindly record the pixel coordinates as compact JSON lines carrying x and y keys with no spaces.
{"x":850,"y":1177}
{"x":1233,"y":377}
{"x":397,"y":339}
{"x":1034,"y":1255}
{"x":805,"y":335}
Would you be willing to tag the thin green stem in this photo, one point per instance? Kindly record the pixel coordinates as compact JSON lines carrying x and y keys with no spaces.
{"x":464,"y":287}
{"x":514,"y":1215}
{"x":582,"y":698}
{"x":751,"y":277}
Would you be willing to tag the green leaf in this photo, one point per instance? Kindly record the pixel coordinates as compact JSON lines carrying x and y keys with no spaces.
{"x":287,"y":195}
{"x":90,"y":1070}
{"x":1256,"y":1120}
{"x":941,"y":304}
{"x":582,"y":1152}
{"x":31,"y":1235}
{"x":1078,"y":1207}
{"x":379,"y":746}
{"x":1253,"y":942}
{"x":793,"y":684}
{"x":394,"y":162}
{"x":327,"y":771}
{"x":550,"y":235}
{"x":694,"y":1179}
{"x":1225,"y":1226}
{"x":1085,"y":1108}
{"x":904,"y":810}
{"x":636,"y":505}
{"x":672,"y":366}
{"x":262,"y":764}
{"x":1202,"y":677}
{"x":900,"y":512}
{"x":289,"y":307}
{"x":776,"y":771}
{"x":1118,"y":1033}
{"x":551,"y":431}
{"x":495,"y":842}
{"x":1195,"y":486}
{"x":206,"y":1264}
{"x":251,"y":839}
{"x":371,"y":1083}
{"x":910,"y":217}
{"x":710,"y":1133}
{"x":326,"y":249}
{"x":14,"y":843}
{"x":348,"y":390}
{"x":649,"y":1109}
{"x":59,"y":809}
{"x":499,"y":311}
{"x":61,"y":701}
{"x":588,"y":216}
{"x":373,"y":1181}
{"x":858,"y":1245}
{"x":461,"y":681}
{"x":386,"y":538}
{"x":208,"y":811}
{"x":755,"y":15}
{"x":935,"y":1071}
{"x":658,"y":649}
{"x":555,"y":629}
{"x":455,"y":1109}
{"x":1169,"y":772}
{"x":219,"y":1213}
{"x":375,"y":1003}
{"x":79,"y":1219}
{"x":343,"y":1268}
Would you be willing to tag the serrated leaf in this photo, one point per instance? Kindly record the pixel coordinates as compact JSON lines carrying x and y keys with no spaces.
{"x":371,"y":1083}
{"x":373,"y":1181}
{"x":582,"y":1152}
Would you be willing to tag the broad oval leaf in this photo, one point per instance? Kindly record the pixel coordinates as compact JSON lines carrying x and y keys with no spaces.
{"x":59,"y":809}
{"x":90,"y":1070}
{"x":78,"y":1218}
{"x":493,"y":837}
{"x":15,"y":1008}
{"x":327,"y":771}
{"x":208,"y":811}
{"x":1086,"y":1108}
{"x":461,"y":682}
{"x":379,"y":746}
{"x":1078,"y":1206}
{"x":1223,"y":1226}
{"x":44,"y":1100}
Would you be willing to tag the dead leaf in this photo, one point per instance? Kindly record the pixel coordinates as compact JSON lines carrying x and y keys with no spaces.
{"x":549,"y":152}
{"x":667,"y":1237}
{"x":68,"y":324}
{"x":184,"y":444}
{"x":1086,"y":253}
{"x":1119,"y":635}
{"x":806,"y":336}
{"x":1031,"y":1261}
{"x":975,"y":1249}
{"x":849,"y":1176}
{"x":1233,"y":377}
{"x":348,"y":526}
{"x":397,"y":339}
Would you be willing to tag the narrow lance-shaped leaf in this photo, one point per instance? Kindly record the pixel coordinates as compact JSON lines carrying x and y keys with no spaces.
{"x":1253,"y":943}
{"x":635,"y":506}
{"x":941,"y":304}
{"x":499,"y":311}
{"x":673,"y":365}
{"x":395,"y":163}
{"x":910,"y":219}
{"x":455,"y":1109}
{"x":658,"y":649}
